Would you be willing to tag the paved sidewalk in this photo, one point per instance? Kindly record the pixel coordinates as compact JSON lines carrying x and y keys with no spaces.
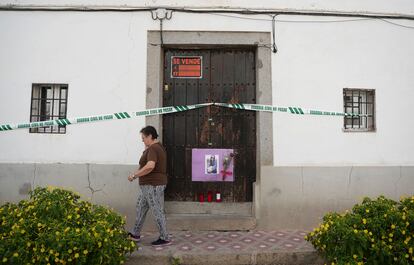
{"x":241,"y":248}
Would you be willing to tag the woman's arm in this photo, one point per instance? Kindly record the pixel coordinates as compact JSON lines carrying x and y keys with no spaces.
{"x":149,"y":166}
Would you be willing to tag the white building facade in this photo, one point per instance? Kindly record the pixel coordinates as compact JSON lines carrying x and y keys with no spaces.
{"x":112,"y":61}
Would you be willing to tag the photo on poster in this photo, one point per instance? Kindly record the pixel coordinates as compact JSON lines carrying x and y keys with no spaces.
{"x":211,"y":163}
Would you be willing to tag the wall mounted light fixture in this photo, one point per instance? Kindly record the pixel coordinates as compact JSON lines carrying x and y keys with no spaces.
{"x":161,"y":14}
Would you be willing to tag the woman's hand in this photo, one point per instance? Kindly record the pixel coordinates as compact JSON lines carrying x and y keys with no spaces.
{"x":131,"y":177}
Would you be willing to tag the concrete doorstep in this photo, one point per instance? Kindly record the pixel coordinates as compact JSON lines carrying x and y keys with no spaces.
{"x":204,"y":222}
{"x":228,"y":248}
{"x":196,"y":216}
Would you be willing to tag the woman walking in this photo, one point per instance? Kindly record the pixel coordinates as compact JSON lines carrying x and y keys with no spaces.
{"x":152,"y":175}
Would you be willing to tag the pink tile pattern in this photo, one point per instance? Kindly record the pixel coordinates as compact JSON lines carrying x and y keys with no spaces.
{"x":222,"y":242}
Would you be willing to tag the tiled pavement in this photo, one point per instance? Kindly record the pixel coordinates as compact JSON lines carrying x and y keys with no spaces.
{"x":230,"y":241}
{"x":186,"y":245}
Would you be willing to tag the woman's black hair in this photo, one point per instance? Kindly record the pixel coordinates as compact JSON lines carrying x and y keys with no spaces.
{"x":149,"y":130}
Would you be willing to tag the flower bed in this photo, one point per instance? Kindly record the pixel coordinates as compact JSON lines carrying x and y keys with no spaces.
{"x":55,"y":227}
{"x":376,"y":231}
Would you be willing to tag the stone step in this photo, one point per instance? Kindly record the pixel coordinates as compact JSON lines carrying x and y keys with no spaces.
{"x":203,"y":222}
{"x":294,"y":257}
{"x":181,"y":207}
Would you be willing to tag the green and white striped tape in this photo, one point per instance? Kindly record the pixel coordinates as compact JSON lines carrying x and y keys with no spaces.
{"x":291,"y":110}
{"x":173,"y":109}
{"x":106,"y":117}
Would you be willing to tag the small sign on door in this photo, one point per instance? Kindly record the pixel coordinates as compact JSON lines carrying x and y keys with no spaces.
{"x":212,"y":165}
{"x":186,"y":66}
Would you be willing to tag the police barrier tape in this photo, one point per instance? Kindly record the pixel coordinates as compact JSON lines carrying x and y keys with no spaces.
{"x":106,"y":117}
{"x":173,"y":109}
{"x":291,"y":110}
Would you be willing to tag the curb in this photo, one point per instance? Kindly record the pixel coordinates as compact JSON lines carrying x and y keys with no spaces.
{"x":243,"y":258}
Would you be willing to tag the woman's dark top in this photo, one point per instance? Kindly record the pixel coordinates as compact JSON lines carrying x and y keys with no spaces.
{"x":158,"y":176}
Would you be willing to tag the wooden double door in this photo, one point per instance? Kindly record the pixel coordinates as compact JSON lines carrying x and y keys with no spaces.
{"x":228,"y":76}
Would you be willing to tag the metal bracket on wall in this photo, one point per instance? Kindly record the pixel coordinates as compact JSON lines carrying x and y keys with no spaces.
{"x":161,"y":14}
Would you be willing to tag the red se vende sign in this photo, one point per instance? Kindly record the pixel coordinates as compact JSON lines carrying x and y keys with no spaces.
{"x":186,"y":67}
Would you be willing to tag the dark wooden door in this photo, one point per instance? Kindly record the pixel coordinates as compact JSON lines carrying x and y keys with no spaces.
{"x":228,"y":76}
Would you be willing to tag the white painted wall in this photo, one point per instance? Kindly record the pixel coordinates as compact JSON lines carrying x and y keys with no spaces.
{"x":102,"y":56}
{"x":315,"y":63}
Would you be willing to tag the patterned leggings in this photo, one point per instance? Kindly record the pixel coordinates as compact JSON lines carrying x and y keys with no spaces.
{"x":151,"y":197}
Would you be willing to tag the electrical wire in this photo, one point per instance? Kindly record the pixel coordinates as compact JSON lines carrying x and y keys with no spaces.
{"x":325,"y":21}
{"x":293,"y":21}
{"x":274,"y":47}
{"x":240,"y":11}
{"x":225,"y":12}
{"x":396,"y":24}
{"x":315,"y":21}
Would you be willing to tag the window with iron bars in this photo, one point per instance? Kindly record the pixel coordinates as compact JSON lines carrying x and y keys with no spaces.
{"x":49,"y":102}
{"x":359,"y":101}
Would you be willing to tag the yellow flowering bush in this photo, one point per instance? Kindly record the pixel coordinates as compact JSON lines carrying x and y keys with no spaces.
{"x":55,"y":227}
{"x":378,"y":231}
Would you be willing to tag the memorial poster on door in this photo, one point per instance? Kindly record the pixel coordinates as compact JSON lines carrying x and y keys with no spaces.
{"x":216,"y":165}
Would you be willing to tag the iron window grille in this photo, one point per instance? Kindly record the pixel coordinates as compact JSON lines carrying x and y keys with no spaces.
{"x":359,"y":101}
{"x":49,"y":102}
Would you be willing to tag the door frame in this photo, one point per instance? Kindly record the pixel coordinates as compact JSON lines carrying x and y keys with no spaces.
{"x":209,"y":39}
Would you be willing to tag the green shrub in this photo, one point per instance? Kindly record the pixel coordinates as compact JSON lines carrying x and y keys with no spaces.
{"x":377,"y":231}
{"x":55,"y":227}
